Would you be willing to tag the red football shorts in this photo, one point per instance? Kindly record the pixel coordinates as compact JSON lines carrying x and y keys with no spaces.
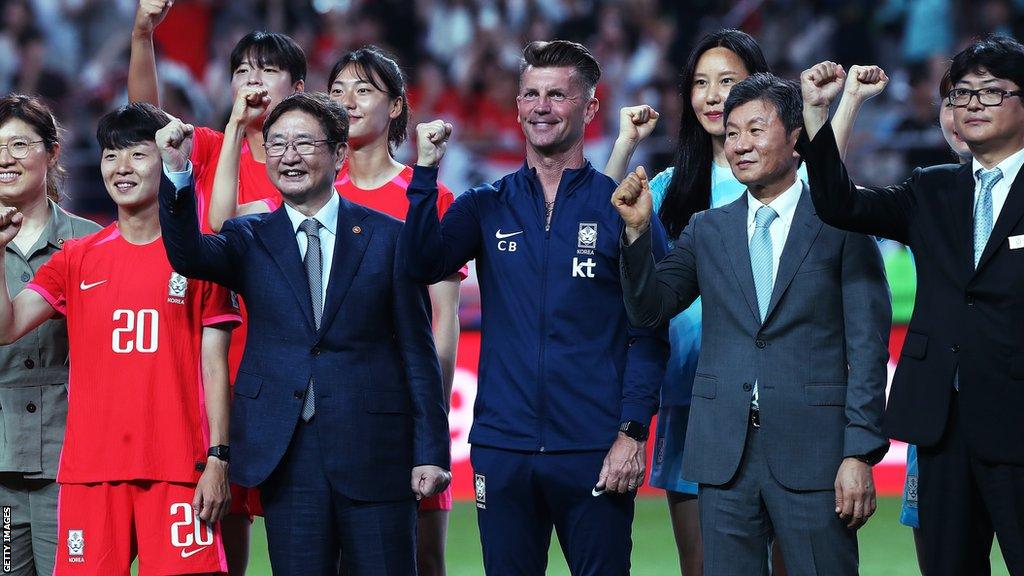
{"x":442,"y":501}
{"x":102,"y":527}
{"x":245,"y":501}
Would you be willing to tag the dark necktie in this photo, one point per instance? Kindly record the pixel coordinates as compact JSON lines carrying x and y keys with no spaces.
{"x":314,"y":262}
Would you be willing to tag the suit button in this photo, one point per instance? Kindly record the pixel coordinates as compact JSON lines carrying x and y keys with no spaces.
{"x":31,"y":408}
{"x":747,"y":387}
{"x":297,"y":394}
{"x":30,"y":363}
{"x":955,"y":347}
{"x":25,"y":277}
{"x":760,"y":343}
{"x":315,"y":351}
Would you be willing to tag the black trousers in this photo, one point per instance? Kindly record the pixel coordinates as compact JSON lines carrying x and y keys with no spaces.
{"x":963,"y":501}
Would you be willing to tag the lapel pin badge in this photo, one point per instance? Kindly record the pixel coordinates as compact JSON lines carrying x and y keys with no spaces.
{"x":356,"y":230}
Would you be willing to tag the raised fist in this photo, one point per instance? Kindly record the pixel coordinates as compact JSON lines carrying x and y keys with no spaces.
{"x":821,"y":83}
{"x":637,"y":122}
{"x":864,"y":82}
{"x":175,"y":144}
{"x":250,"y":105}
{"x":10,"y":224}
{"x":633,"y":200}
{"x":150,"y":14}
{"x":431,"y":142}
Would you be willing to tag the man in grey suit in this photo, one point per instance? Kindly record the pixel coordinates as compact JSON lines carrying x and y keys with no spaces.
{"x":790,"y":386}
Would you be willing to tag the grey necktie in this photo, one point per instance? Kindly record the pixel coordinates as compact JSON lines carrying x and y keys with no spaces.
{"x":314,"y":262}
{"x":983,"y":213}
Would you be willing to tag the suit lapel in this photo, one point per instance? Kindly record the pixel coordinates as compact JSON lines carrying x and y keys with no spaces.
{"x":1011,"y":213}
{"x":278,"y":238}
{"x":961,"y":208}
{"x":734,"y":236}
{"x":353,"y":236}
{"x":802,"y":232}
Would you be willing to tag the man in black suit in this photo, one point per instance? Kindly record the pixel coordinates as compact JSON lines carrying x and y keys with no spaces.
{"x":959,"y":388}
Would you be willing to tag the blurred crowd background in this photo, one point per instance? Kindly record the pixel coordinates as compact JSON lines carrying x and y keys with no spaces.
{"x":461,"y":58}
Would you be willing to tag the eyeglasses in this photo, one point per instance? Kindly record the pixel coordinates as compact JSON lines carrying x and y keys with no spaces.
{"x":961,"y":97}
{"x":302,"y":147}
{"x":19,"y":149}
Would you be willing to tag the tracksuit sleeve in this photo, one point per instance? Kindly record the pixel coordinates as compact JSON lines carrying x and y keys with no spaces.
{"x":435,"y":249}
{"x":647,"y":356}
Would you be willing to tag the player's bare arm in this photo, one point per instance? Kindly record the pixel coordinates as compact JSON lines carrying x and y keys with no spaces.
{"x":635,"y":124}
{"x":143,"y":85}
{"x":212,"y":500}
{"x":444,"y":305}
{"x":251,"y":103}
{"x":862,"y":84}
{"x":28,"y":310}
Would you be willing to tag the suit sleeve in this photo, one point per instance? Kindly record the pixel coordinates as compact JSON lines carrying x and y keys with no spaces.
{"x":647,"y":356}
{"x":192,"y":254}
{"x":435,"y":249}
{"x":885,"y":212}
{"x":867,"y":315}
{"x":654,"y":294}
{"x":431,"y":439}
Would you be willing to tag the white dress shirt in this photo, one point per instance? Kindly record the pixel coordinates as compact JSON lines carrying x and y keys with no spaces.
{"x":1010,"y":166}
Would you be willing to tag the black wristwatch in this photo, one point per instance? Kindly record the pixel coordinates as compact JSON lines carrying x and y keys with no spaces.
{"x":873,"y":457}
{"x":220,"y":452}
{"x":635,"y":430}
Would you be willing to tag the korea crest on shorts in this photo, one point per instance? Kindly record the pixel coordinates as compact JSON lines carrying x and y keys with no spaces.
{"x":480,"y":484}
{"x":76,"y":543}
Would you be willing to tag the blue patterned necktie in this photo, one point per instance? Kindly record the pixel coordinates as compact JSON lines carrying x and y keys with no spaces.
{"x":314,"y":273}
{"x":983,"y":213}
{"x":761,"y":256}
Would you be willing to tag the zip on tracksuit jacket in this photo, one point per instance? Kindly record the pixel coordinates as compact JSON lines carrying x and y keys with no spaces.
{"x":560,"y":367}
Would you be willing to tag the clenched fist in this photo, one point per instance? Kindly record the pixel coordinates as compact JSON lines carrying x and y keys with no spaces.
{"x":250,"y":105}
{"x":633,"y":200}
{"x":175,"y":144}
{"x":10,"y":224}
{"x":432,"y":141}
{"x":150,"y":14}
{"x":864,"y":82}
{"x":637,"y":122}
{"x":821,"y":83}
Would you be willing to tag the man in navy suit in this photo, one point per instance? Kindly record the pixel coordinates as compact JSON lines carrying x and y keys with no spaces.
{"x":339,"y":394}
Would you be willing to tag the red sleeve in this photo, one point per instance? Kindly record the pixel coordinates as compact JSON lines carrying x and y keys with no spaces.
{"x":444,"y":200}
{"x":220,"y":306}
{"x":206,"y":144}
{"x":51,"y":281}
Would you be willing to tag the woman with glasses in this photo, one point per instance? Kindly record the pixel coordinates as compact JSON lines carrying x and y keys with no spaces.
{"x":33,"y":371}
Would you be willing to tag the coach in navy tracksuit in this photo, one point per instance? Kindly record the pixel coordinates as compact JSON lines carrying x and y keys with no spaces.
{"x":567,"y":389}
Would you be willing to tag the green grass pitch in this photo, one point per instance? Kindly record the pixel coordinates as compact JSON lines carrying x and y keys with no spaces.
{"x":886,"y":547}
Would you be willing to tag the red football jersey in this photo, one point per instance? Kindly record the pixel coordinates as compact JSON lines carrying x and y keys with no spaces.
{"x":390,"y":198}
{"x":136,"y":406}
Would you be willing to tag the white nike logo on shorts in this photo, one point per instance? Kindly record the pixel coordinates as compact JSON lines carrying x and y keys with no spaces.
{"x":85,"y":286}
{"x":501,"y":236}
{"x":187,"y":553}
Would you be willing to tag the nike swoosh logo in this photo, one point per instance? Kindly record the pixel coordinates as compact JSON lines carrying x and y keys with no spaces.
{"x":187,"y":553}
{"x":501,"y":236}
{"x":85,"y":286}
